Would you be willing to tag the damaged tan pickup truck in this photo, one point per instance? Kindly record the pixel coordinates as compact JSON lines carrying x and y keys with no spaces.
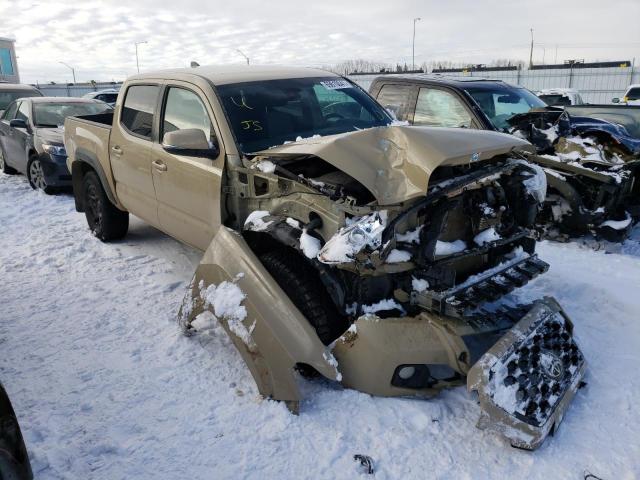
{"x":337,"y":242}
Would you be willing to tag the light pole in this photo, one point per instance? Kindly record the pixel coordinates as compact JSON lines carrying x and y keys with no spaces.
{"x":531,"y":51}
{"x":242,"y":53}
{"x":413,"y":44}
{"x":137,"y":62}
{"x":73,"y":70}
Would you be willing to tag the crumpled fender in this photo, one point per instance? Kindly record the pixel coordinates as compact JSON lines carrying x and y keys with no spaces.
{"x":281,"y":337}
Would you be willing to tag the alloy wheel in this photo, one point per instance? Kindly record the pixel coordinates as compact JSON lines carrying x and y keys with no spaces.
{"x":36,"y":175}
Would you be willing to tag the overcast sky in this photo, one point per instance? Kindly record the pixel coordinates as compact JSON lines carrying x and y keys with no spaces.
{"x":97,"y":38}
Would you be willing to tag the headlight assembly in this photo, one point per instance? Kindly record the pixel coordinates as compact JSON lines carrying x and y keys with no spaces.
{"x":54,"y":149}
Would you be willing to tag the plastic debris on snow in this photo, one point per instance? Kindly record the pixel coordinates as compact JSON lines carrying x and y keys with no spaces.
{"x":255,"y":221}
{"x":486,"y":236}
{"x":360,"y":232}
{"x":516,"y":255}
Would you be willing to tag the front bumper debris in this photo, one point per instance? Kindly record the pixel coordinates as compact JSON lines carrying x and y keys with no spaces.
{"x":526,"y":381}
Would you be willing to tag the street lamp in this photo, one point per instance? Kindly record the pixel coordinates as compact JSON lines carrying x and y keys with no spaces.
{"x":137,"y":62}
{"x":73,"y":70}
{"x":242,"y":53}
{"x":413,"y":45}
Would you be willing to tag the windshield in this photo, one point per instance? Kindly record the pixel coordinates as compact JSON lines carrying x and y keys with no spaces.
{"x":8,"y":96}
{"x":633,"y":94}
{"x":269,"y":113}
{"x":53,"y":114}
{"x":501,"y":103}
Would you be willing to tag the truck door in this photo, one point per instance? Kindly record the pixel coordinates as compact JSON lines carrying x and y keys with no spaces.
{"x":133,"y":131}
{"x":188,"y":188}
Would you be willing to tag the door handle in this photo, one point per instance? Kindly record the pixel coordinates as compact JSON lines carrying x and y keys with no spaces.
{"x":117,"y":150}
{"x":159,"y":165}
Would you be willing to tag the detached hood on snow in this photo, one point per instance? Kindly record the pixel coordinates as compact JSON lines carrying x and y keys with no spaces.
{"x":394,"y":163}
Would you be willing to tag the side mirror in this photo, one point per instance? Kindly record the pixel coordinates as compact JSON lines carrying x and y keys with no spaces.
{"x":1,"y":113}
{"x":18,"y":123}
{"x":615,"y":100}
{"x":191,"y":142}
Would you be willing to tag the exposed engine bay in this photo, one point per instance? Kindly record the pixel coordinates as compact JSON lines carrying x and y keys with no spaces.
{"x":592,"y":168}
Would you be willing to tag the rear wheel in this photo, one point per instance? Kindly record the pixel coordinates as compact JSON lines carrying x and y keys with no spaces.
{"x":105,"y":220}
{"x":3,"y":164}
{"x":304,"y":288}
{"x":35,"y":175}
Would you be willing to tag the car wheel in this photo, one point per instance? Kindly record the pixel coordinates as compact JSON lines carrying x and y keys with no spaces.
{"x":35,"y":175}
{"x":304,"y":288}
{"x":3,"y":164}
{"x":105,"y":220}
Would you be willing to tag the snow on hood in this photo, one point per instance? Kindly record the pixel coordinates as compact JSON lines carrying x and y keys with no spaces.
{"x":394,"y":163}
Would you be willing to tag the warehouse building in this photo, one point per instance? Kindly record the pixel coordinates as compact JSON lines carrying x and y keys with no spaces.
{"x":8,"y":63}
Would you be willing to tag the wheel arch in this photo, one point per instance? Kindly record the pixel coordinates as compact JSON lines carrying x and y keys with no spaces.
{"x":84,"y":162}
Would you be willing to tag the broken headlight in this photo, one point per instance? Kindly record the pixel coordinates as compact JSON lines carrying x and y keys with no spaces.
{"x":360,"y":233}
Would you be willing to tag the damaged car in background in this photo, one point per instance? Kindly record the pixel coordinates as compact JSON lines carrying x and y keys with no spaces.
{"x":590,"y":153}
{"x":342,"y":244}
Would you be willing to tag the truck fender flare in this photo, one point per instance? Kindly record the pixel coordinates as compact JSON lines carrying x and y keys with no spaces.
{"x":84,"y":157}
{"x":276,"y":335}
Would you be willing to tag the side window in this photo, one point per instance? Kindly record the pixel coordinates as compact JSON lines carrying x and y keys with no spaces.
{"x":139,"y":108}
{"x":396,"y":99}
{"x":23,"y":111}
{"x":438,"y":108}
{"x":184,"y":110}
{"x":11,"y":111}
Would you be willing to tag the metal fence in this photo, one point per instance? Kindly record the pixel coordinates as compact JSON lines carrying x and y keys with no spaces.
{"x":61,"y":90}
{"x":596,"y":85}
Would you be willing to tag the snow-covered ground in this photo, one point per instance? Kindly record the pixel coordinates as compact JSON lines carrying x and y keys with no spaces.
{"x":105,"y":387}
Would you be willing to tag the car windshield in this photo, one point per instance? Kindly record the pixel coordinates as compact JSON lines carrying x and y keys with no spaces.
{"x":633,"y":94}
{"x":8,"y":96}
{"x":502,"y":103}
{"x":53,"y":114}
{"x":269,"y":113}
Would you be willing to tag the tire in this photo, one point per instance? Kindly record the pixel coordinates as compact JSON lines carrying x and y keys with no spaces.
{"x":3,"y":164}
{"x":304,"y":288}
{"x":35,"y":175}
{"x":105,"y":220}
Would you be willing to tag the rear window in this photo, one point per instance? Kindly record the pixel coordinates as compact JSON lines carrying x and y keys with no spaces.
{"x":8,"y":96}
{"x":53,"y":114}
{"x":552,"y":100}
{"x":139,"y":109}
{"x":633,"y":94}
{"x":107,"y":97}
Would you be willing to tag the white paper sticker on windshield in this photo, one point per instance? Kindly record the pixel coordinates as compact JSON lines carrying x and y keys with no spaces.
{"x":336,"y":84}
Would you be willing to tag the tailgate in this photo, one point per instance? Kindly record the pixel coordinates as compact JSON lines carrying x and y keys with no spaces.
{"x":527,"y":380}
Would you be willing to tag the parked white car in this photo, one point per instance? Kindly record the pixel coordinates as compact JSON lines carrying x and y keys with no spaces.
{"x":108,"y":96}
{"x":631,"y":96}
{"x":559,"y":97}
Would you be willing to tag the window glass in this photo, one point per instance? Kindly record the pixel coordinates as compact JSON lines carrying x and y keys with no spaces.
{"x":6,"y":65}
{"x":53,"y":114}
{"x":11,"y":111}
{"x":8,"y":96}
{"x":633,"y":94}
{"x":501,"y":103}
{"x":185,"y":110}
{"x":23,"y":111}
{"x":107,"y":97}
{"x":396,"y":99}
{"x":269,"y":113}
{"x":438,"y":108}
{"x":139,"y":108}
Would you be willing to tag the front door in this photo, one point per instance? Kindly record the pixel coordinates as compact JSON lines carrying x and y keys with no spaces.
{"x":15,"y":147}
{"x":188,"y":189}
{"x":130,"y":151}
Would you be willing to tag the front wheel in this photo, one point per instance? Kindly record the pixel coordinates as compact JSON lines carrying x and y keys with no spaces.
{"x":105,"y":220}
{"x":35,"y":175}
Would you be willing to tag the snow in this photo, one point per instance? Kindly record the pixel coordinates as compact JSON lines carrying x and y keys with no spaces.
{"x":360,"y":232}
{"x":449,"y":248}
{"x":486,"y":236}
{"x":411,"y":236}
{"x":255,"y":221}
{"x":310,"y":245}
{"x":617,"y":224}
{"x":381,"y":306}
{"x":398,"y":256}
{"x":419,"y":284}
{"x":265,"y":166}
{"x":105,"y":386}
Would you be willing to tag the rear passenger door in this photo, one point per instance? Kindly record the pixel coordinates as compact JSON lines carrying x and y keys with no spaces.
{"x":130,"y":150}
{"x":188,"y":188}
